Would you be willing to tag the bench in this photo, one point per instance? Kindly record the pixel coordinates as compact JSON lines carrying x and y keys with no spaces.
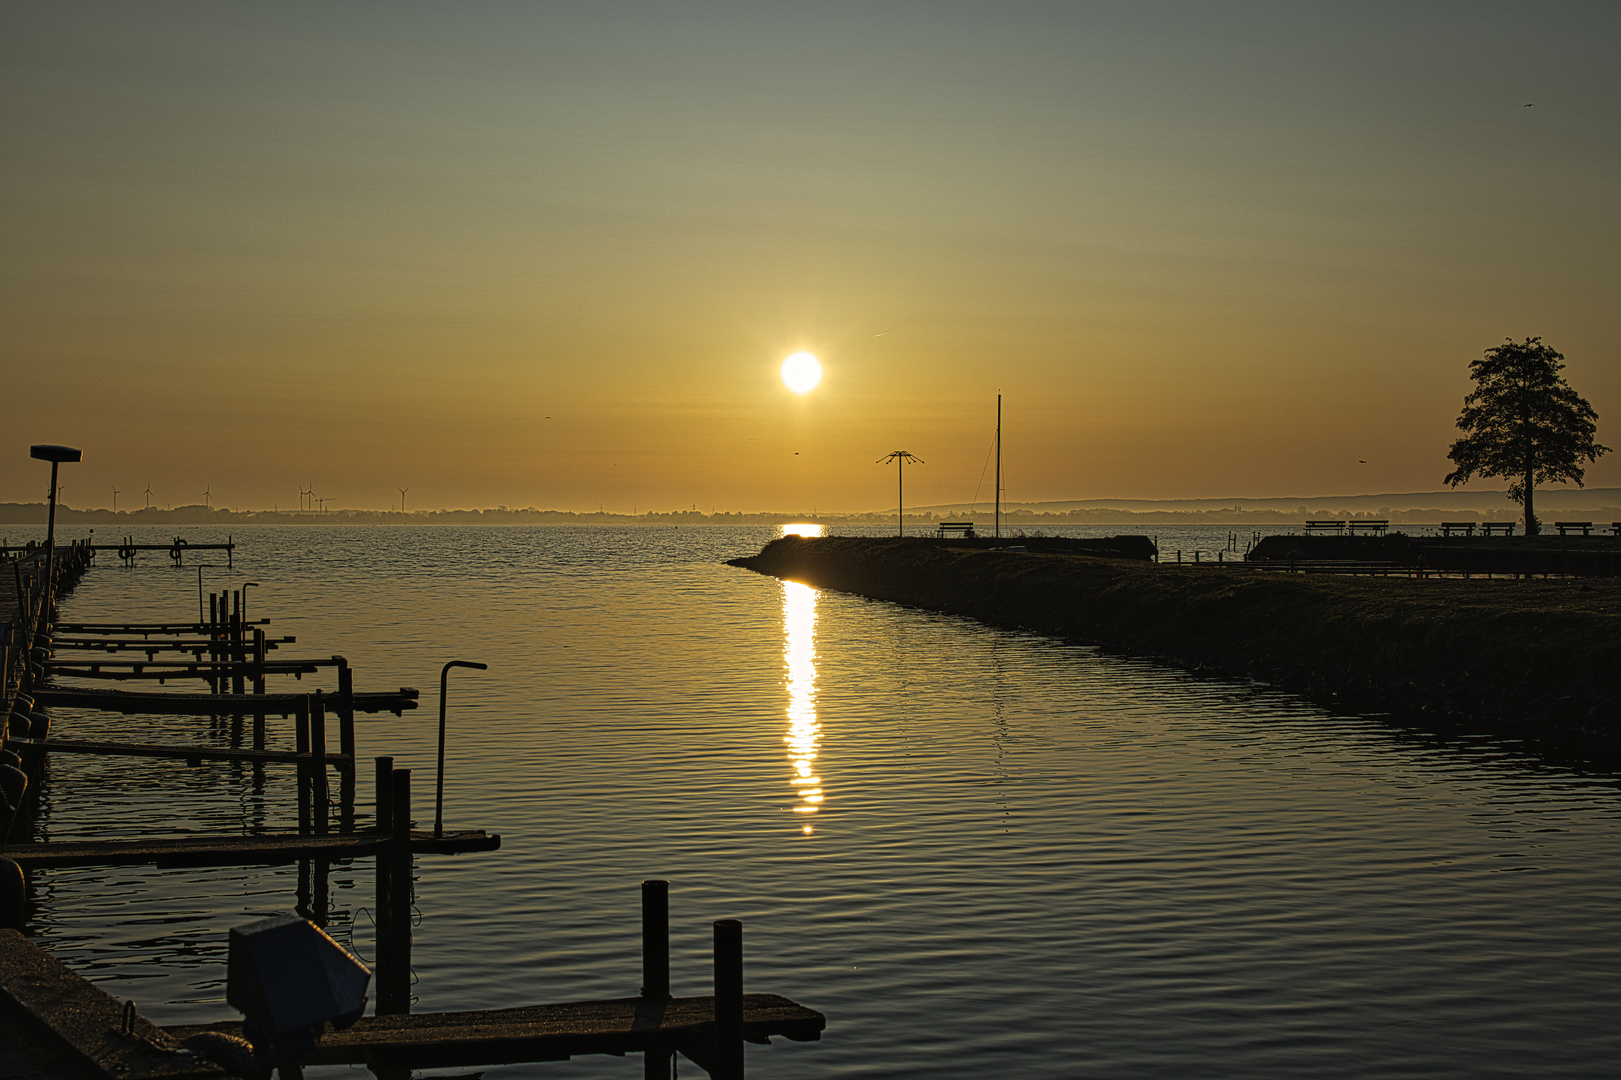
{"x":1375,"y":527}
{"x":1497,"y":528}
{"x":1324,"y":526}
{"x":1583,"y":527}
{"x":1463,"y":528}
{"x":964,"y":529}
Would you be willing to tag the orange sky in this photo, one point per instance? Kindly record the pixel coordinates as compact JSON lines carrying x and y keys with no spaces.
{"x":553,"y":254}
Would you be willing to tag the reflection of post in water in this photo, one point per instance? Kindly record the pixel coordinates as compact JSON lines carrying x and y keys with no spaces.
{"x":799,"y":658}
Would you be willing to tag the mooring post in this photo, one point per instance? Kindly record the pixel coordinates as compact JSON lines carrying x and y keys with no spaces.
{"x":301,"y":729}
{"x":394,"y":947}
{"x":656,"y":939}
{"x":728,"y":1061}
{"x":239,"y":651}
{"x":383,"y":918}
{"x":213,"y":636}
{"x":259,"y":687}
{"x":656,"y":965}
{"x":318,"y":790}
{"x":346,"y":744}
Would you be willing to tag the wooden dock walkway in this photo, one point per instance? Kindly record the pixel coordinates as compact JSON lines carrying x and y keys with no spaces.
{"x":269,"y":849}
{"x":136,"y":701}
{"x":194,"y":755}
{"x":548,"y":1032}
{"x":60,"y":1026}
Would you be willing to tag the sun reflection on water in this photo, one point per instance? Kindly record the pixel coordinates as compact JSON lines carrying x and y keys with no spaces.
{"x":800,"y":528}
{"x":799,"y":658}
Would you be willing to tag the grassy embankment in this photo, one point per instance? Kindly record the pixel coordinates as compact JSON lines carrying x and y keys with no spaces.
{"x":1530,"y":655}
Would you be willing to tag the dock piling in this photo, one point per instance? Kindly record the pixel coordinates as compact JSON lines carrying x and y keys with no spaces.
{"x":318,"y":777}
{"x":728,"y":1053}
{"x":393,"y":968}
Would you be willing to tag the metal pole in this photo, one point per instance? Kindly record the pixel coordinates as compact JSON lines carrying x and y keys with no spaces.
{"x":50,"y":535}
{"x":439,"y":779}
{"x":998,"y":527}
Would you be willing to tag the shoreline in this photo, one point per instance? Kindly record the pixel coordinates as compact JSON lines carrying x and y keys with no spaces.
{"x":1530,"y":658}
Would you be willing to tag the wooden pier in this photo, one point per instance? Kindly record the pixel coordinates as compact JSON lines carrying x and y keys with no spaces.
{"x":55,"y":1024}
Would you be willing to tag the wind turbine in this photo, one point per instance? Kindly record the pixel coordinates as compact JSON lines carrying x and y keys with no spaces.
{"x":402,"y":499}
{"x":115,"y":500}
{"x":208,"y":496}
{"x":148,"y":494}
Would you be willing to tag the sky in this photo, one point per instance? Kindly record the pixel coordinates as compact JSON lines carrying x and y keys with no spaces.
{"x":553,"y":254}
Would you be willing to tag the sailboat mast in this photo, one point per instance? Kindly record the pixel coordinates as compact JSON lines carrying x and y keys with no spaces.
{"x":998,"y":526}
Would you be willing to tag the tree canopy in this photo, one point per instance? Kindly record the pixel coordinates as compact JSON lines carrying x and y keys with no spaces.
{"x":1523,"y":422}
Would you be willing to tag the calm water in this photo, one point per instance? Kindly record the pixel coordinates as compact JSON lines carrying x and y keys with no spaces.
{"x":980,"y":853}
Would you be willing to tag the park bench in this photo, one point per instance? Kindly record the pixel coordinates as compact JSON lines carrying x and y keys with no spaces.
{"x":1376,"y":527}
{"x":1324,"y":526}
{"x":1496,"y":528}
{"x":964,"y":529}
{"x":1566,"y":527}
{"x":1465,"y":528}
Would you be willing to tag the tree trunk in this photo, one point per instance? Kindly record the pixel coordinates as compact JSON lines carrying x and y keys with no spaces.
{"x":1530,"y":514}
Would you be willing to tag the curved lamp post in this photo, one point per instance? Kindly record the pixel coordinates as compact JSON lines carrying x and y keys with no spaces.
{"x":439,"y":781}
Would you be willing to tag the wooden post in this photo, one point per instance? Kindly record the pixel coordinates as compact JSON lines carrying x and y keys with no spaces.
{"x":301,"y":728}
{"x":239,"y":651}
{"x":213,"y":636}
{"x":728,"y":1059}
{"x":382,"y":810}
{"x":656,"y":964}
{"x":383,"y":918}
{"x":656,"y":939}
{"x":258,"y":687}
{"x":394,"y":943}
{"x":346,"y":745}
{"x":318,"y":792}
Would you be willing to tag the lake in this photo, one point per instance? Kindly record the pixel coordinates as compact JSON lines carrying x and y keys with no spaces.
{"x":979,"y":852}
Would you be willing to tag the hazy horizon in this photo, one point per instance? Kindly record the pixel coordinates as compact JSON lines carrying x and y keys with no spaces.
{"x":555,"y":254}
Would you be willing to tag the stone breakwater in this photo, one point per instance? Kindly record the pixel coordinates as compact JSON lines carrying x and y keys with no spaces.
{"x":1531,"y":656}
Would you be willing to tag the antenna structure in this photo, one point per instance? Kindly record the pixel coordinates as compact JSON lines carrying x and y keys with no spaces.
{"x":900,"y":458}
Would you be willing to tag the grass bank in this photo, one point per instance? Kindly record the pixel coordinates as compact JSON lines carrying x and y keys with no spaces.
{"x":1534,"y":656}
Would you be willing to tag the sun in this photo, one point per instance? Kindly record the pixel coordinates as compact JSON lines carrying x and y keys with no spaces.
{"x":801,"y":372}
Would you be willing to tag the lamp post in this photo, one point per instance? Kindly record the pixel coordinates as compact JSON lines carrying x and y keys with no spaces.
{"x":439,"y":781}
{"x":55,"y":455}
{"x":246,"y":585}
{"x":900,"y":458}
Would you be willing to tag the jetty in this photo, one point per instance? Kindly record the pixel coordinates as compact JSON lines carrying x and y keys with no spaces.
{"x":1527,"y":656}
{"x":56,"y":1024}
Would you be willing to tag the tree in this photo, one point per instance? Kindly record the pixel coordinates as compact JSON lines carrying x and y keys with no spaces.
{"x":1523,"y":422}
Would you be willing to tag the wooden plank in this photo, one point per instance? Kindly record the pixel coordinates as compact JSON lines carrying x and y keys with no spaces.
{"x":267,"y":850}
{"x":162,"y":670}
{"x":147,"y":646}
{"x":143,"y":628}
{"x":134,"y":701}
{"x":79,"y":1025}
{"x":182,"y":753}
{"x":547,"y":1032}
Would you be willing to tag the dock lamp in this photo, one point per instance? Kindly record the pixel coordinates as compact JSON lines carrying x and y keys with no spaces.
{"x":288,"y":978}
{"x":55,"y":455}
{"x":439,"y":781}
